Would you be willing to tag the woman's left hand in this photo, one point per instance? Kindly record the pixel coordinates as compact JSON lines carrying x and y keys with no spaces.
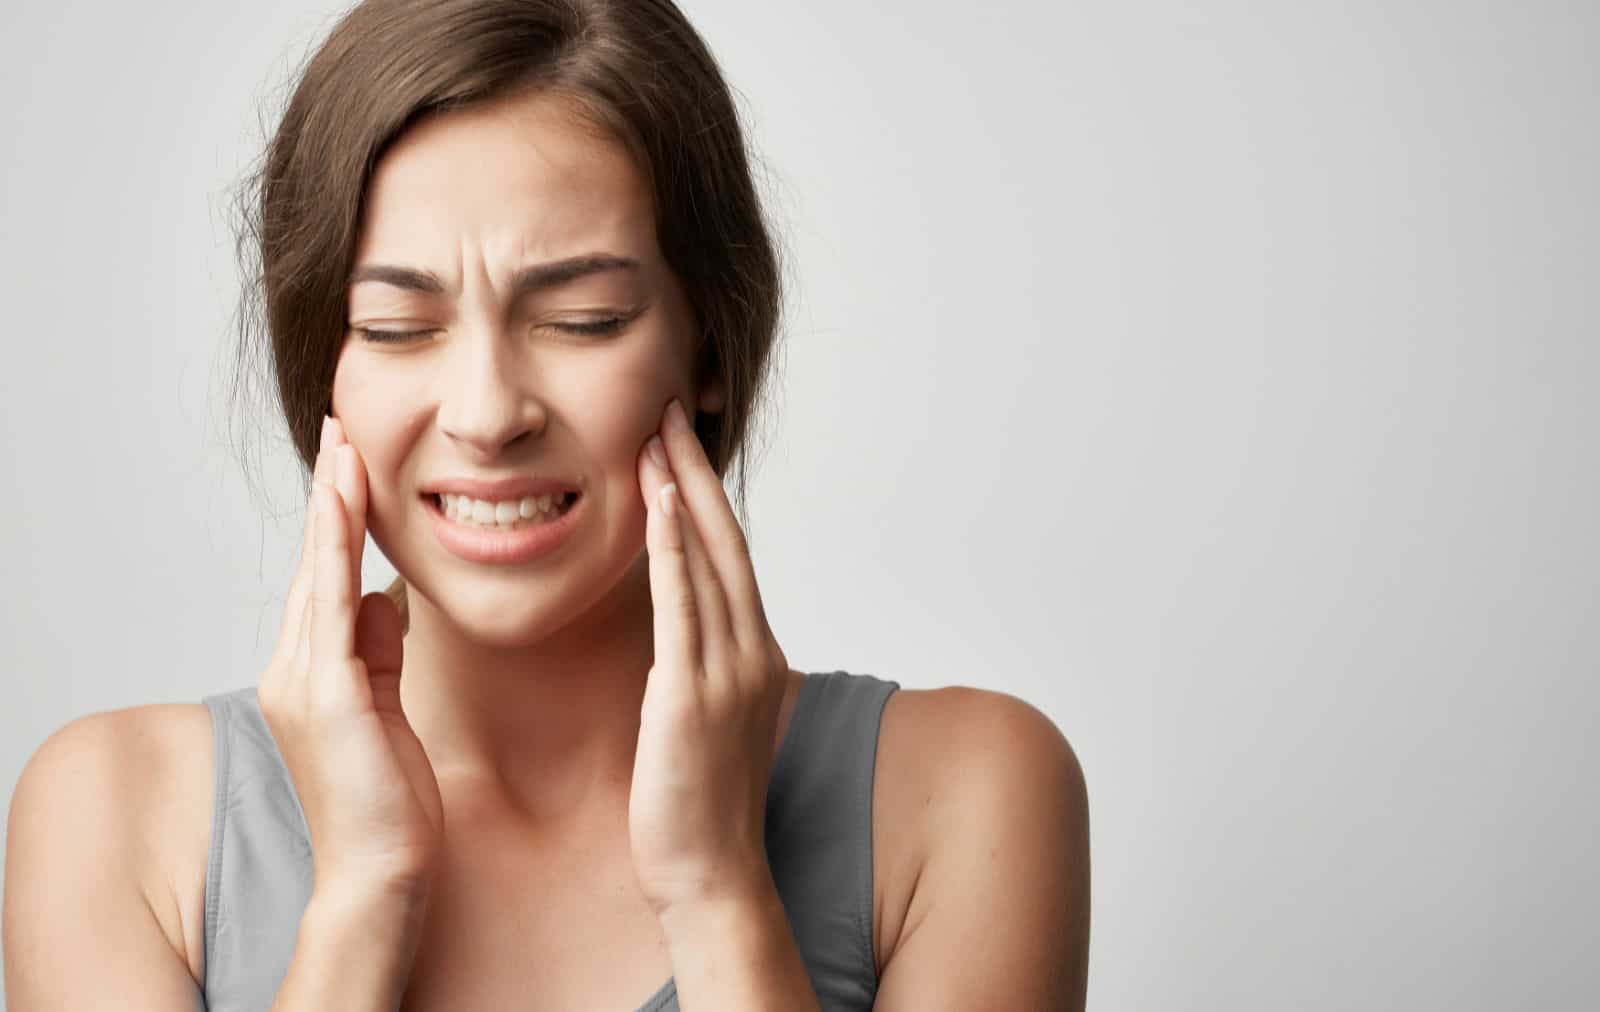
{"x":697,"y":811}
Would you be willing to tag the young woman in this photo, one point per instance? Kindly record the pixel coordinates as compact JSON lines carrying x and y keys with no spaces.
{"x":520,"y":295}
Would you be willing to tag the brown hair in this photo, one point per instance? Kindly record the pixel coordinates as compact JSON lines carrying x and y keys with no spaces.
{"x":634,"y":70}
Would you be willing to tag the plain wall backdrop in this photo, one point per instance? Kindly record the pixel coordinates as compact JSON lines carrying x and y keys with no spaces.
{"x":1219,"y":378}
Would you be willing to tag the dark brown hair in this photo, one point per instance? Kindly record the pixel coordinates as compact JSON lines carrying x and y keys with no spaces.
{"x":634,"y":70}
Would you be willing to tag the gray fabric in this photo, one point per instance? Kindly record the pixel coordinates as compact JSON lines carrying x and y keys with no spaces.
{"x":818,"y":837}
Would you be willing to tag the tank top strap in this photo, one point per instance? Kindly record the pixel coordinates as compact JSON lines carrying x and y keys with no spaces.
{"x":259,"y":869}
{"x":819,"y":830}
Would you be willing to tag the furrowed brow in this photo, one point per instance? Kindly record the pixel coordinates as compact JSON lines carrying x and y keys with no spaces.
{"x":535,"y":277}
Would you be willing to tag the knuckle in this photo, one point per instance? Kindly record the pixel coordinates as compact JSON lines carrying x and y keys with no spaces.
{"x":752,"y":657}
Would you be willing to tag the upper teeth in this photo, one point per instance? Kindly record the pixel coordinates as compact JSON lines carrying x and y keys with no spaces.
{"x":460,"y":507}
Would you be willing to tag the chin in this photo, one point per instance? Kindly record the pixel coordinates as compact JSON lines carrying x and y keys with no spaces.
{"x":505,"y":611}
{"x":503,"y":615}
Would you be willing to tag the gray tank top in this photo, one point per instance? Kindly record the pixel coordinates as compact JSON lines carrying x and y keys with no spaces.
{"x":818,"y":838}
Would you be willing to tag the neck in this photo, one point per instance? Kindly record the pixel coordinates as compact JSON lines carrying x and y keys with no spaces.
{"x":548,"y":730}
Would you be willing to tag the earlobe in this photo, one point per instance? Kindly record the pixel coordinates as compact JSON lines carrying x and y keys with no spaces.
{"x":711,"y":399}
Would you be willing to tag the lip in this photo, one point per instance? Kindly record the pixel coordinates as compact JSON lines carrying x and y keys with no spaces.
{"x":504,"y":548}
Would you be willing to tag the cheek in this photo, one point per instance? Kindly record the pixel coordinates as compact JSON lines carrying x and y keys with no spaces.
{"x":364,"y":402}
{"x":624,"y":402}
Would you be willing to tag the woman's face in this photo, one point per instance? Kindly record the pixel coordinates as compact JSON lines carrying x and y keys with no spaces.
{"x":498,"y":385}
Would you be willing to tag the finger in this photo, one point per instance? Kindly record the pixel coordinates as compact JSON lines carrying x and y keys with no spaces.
{"x":296,"y":629}
{"x":380,"y":643}
{"x":351,"y":489}
{"x":332,"y":603}
{"x":716,"y":636}
{"x":723,"y":538}
{"x":350,"y":478}
{"x":677,"y":619}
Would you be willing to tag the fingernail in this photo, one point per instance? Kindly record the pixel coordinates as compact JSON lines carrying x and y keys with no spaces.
{"x":327,"y":431}
{"x":676,"y":416}
{"x":344,"y":466}
{"x":658,"y":453}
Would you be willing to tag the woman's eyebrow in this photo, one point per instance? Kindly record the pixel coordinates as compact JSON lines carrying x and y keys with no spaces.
{"x":528,"y":279}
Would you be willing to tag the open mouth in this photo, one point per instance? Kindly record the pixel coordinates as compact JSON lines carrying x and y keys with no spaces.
{"x":506,"y":515}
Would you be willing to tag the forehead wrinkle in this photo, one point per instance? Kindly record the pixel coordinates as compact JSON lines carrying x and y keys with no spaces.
{"x":561,"y":192}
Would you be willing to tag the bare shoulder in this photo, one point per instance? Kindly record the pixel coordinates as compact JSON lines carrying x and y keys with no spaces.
{"x":118,"y":802}
{"x":982,"y":805}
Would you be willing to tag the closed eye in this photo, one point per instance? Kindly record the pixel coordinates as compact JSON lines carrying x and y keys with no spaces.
{"x":609,"y":325}
{"x":389,"y":336}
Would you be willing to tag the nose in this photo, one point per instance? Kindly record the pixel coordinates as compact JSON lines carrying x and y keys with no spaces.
{"x":488,"y":403}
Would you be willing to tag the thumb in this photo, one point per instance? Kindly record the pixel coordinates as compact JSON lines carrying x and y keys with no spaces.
{"x":380,"y":643}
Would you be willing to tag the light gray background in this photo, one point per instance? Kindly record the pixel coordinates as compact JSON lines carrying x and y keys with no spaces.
{"x":1217,"y":377}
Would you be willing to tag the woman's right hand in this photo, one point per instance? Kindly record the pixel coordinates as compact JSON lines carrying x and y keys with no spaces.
{"x":331,"y":697}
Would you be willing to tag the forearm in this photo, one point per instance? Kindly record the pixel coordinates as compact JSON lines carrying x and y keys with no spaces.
{"x":353,"y":952}
{"x":738,"y":953}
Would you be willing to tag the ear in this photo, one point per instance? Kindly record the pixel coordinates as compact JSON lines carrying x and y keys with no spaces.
{"x":712,"y":398}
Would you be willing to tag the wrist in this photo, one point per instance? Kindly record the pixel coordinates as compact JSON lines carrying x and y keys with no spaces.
{"x":737,"y":950}
{"x":400,"y":905}
{"x":354,"y":949}
{"x":734,"y":896}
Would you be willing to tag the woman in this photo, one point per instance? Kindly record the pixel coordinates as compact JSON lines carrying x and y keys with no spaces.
{"x":520,"y":297}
